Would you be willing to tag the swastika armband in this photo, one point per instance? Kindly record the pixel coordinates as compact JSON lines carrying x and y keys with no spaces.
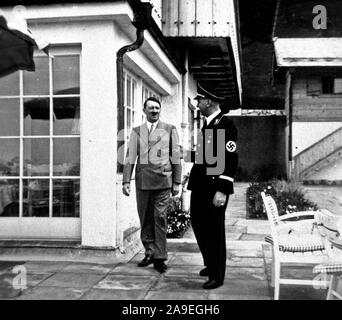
{"x":231,"y":146}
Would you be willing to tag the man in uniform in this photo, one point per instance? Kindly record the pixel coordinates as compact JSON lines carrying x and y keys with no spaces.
{"x":211,"y":182}
{"x":154,"y":146}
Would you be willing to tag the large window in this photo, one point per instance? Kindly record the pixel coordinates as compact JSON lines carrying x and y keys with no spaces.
{"x":130,"y":94}
{"x":40,"y":139}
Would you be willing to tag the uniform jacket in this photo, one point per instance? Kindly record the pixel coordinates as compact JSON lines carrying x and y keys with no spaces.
{"x":157,"y":157}
{"x":218,"y":140}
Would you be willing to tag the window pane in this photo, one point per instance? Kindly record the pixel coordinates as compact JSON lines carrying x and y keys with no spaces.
{"x":36,"y":197}
{"x":66,"y":116}
{"x":128,"y":123}
{"x":9,"y":198}
{"x":9,"y":117}
{"x":66,"y":157}
{"x":9,"y":85}
{"x":66,"y":198}
{"x":9,"y":157}
{"x":36,"y":117}
{"x":37,"y":83}
{"x":338,"y":85}
{"x":128,"y":91}
{"x":36,"y":157}
{"x":66,"y":75}
{"x":134,"y":90}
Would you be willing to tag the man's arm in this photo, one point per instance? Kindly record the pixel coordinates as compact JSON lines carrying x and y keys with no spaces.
{"x":226,"y":178}
{"x":130,"y":159}
{"x":175,"y":162}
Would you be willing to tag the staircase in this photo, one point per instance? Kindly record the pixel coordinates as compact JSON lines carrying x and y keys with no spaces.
{"x":321,"y":162}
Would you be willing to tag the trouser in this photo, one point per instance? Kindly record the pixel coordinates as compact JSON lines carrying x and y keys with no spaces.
{"x":152,"y":209}
{"x":208,"y":223}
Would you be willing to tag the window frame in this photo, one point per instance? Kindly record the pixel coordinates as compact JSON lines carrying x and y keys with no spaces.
{"x":55,"y":52}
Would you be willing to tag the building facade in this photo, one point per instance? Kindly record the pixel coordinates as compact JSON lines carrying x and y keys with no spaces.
{"x":59,"y":139}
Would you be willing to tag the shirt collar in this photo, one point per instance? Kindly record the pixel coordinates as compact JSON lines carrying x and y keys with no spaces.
{"x":149,"y":124}
{"x":212,"y":116}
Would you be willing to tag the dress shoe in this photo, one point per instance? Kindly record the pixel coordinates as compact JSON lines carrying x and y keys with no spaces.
{"x":145,"y":262}
{"x":204,"y":272}
{"x":160,"y":266}
{"x":212,"y":284}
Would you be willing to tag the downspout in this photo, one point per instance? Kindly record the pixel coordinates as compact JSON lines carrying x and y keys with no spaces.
{"x":142,"y":20}
{"x":291,"y":175}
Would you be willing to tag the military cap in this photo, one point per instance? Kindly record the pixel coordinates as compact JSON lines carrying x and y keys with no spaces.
{"x":207,"y":93}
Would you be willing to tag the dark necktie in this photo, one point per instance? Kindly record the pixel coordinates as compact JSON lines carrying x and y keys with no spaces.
{"x":205,"y":125}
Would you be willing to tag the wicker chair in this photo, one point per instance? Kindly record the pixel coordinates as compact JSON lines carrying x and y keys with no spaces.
{"x":330,"y":227}
{"x":293,"y":242}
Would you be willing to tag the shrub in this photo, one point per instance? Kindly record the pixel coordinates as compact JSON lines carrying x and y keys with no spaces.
{"x":288,"y":195}
{"x":178,"y":220}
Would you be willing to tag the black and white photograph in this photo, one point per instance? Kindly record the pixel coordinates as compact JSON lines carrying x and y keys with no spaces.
{"x":171,"y":154}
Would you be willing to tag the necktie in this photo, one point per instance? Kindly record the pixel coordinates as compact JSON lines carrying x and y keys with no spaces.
{"x":204,"y":125}
{"x":151,"y":129}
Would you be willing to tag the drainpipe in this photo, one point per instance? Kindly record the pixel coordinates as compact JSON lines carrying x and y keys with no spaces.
{"x":142,"y":20}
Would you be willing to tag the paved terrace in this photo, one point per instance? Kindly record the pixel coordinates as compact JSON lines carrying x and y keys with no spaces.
{"x":247,"y":276}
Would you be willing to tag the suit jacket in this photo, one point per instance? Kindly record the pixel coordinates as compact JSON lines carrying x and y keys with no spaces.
{"x":219,"y":141}
{"x":157,"y":157}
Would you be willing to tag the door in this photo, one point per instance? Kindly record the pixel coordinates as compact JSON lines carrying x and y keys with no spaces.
{"x":40,"y":149}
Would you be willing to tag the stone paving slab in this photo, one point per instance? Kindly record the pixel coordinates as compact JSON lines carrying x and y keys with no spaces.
{"x":88,"y":268}
{"x":289,"y":292}
{"x":33,"y":279}
{"x":194,"y":259}
{"x":138,"y":257}
{"x":236,"y":229}
{"x":106,"y":294}
{"x":52,"y":293}
{"x":8,"y":292}
{"x":183,"y":247}
{"x":45,"y":266}
{"x":231,"y":221}
{"x":218,"y":296}
{"x":233,"y":236}
{"x":253,"y":237}
{"x":122,"y":282}
{"x":68,"y":279}
{"x":179,"y":284}
{"x":234,"y":287}
{"x":8,"y":266}
{"x":131,"y":269}
{"x":176,"y":295}
{"x":246,"y":253}
{"x":183,"y":271}
{"x":245,"y":273}
{"x":245,"y":262}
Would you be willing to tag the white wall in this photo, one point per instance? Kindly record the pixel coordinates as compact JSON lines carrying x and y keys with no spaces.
{"x":305,"y":134}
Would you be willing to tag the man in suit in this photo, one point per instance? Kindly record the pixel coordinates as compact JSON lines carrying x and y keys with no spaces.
{"x":154,"y":148}
{"x":211,"y":182}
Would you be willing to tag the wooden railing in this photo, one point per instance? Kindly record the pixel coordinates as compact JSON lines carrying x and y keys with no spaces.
{"x":317,"y":152}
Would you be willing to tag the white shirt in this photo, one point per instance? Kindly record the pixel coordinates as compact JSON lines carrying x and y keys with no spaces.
{"x":212,"y":116}
{"x":149,"y":124}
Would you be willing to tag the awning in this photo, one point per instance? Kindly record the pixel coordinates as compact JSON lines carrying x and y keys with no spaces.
{"x":308,"y":52}
{"x":16,"y":45}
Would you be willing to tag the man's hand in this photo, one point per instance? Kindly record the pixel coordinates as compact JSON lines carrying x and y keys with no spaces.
{"x":219,"y":199}
{"x":175,"y":189}
{"x":126,"y":189}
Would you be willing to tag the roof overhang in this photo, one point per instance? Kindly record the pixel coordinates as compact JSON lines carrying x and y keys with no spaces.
{"x":308,"y":52}
{"x":211,"y":59}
